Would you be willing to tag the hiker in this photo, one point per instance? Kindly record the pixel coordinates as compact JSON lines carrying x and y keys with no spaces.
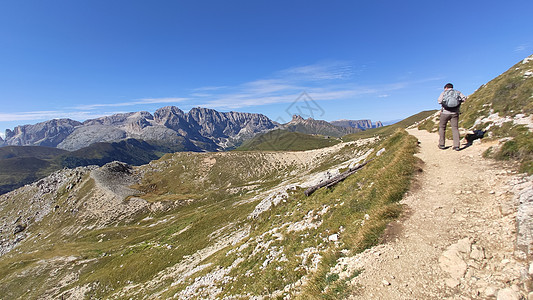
{"x":450,"y":100}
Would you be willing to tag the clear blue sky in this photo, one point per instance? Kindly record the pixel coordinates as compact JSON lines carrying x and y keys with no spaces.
{"x":379,"y":60}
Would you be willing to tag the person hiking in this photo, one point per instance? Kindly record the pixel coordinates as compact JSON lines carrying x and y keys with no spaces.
{"x":450,"y":100}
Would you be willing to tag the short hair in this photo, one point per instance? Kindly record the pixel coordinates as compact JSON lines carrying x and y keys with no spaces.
{"x":448,"y":86}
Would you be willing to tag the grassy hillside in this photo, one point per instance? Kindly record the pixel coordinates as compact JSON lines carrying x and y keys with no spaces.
{"x":318,"y":127}
{"x":20,"y":165}
{"x":509,"y":95}
{"x":130,"y":151}
{"x":39,"y":152}
{"x":234,"y":224}
{"x":282,"y":140}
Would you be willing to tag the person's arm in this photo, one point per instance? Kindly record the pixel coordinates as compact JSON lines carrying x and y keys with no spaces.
{"x":462,"y":97}
{"x":440,"y":98}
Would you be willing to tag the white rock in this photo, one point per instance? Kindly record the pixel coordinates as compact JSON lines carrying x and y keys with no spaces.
{"x":491,"y":291}
{"x":507,"y":294}
{"x":333,"y":237}
{"x":451,"y":282}
{"x":385,"y":282}
{"x":464,"y":245}
{"x":531,"y":269}
{"x":478,"y":253}
{"x":451,"y":262}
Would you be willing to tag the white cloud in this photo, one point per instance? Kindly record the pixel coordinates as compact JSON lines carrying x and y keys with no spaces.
{"x":522,"y":48}
{"x":30,"y":115}
{"x":333,"y":70}
{"x":325,"y":81}
{"x":48,"y":115}
{"x":209,"y":88}
{"x":132,"y":103}
{"x":285,"y":87}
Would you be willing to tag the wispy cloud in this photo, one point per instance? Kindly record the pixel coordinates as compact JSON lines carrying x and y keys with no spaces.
{"x":47,"y":115}
{"x":132,"y":103}
{"x":209,"y":88}
{"x":522,"y":48}
{"x":29,"y":115}
{"x":332,"y":70}
{"x":324,"y":81}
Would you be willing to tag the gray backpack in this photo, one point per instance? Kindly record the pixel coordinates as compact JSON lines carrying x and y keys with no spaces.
{"x":451,"y":99}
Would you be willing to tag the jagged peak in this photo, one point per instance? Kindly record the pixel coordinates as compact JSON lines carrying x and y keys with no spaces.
{"x":169,"y":109}
{"x":297,"y":118}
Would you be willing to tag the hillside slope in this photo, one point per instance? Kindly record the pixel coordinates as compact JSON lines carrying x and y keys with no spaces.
{"x":20,"y":165}
{"x":201,"y":224}
{"x":281,"y":140}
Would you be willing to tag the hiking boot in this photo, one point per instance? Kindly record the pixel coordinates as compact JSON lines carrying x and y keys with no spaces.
{"x":442,"y":147}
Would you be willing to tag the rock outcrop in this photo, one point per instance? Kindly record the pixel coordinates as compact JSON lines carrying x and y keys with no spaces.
{"x":49,"y":133}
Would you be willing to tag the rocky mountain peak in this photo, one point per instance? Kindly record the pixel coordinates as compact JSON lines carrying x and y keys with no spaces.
{"x":297,"y":119}
{"x":49,"y":133}
{"x":172,"y":117}
{"x":166,"y":112}
{"x":120,"y":119}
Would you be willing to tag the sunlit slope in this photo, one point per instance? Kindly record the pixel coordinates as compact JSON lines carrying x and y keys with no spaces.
{"x":282,"y":140}
{"x":210,"y":225}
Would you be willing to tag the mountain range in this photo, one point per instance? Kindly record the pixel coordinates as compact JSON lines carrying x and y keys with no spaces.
{"x":201,"y":129}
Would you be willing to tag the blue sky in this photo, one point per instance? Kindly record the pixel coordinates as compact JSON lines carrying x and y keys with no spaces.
{"x":378,"y":60}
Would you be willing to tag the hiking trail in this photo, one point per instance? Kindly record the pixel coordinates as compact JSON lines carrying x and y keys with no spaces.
{"x":456,"y":239}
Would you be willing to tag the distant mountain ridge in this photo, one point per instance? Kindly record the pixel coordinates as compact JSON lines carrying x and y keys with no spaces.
{"x":312,"y":126}
{"x":205,"y":129}
{"x":361,"y":124}
{"x":200,"y":129}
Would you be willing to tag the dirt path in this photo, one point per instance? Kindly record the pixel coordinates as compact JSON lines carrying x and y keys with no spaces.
{"x":456,"y":240}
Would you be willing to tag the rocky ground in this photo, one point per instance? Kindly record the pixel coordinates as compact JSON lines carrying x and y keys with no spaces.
{"x":458,"y":238}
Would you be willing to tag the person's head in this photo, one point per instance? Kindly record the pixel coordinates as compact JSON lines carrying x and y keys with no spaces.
{"x":448,"y":86}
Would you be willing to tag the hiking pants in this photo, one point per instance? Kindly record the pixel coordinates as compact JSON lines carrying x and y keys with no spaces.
{"x":454,"y":122}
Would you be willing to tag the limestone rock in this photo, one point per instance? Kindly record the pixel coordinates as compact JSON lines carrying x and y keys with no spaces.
{"x":491,"y":291}
{"x":477,"y":253}
{"x":49,"y":133}
{"x":333,"y":237}
{"x":452,"y":262}
{"x":452,"y":283}
{"x":507,"y":294}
